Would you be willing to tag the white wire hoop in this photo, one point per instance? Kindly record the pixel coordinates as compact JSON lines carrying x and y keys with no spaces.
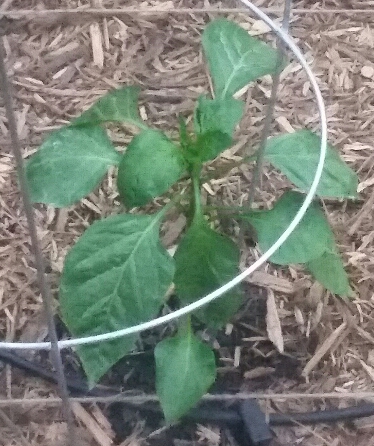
{"x":287,"y":40}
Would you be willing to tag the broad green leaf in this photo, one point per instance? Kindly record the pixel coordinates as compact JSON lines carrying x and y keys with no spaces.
{"x":69,"y":165}
{"x":115,"y":276}
{"x":185,"y":370}
{"x":98,"y":358}
{"x":328,"y":269}
{"x":297,"y":154}
{"x":308,"y":241}
{"x":116,"y":106}
{"x":221,"y":115}
{"x":149,"y":167}
{"x":205,"y":260}
{"x":208,"y":146}
{"x":234,"y":57}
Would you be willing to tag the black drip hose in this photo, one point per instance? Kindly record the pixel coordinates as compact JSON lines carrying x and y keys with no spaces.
{"x":76,"y":386}
{"x":323,"y":416}
{"x":230,"y":416}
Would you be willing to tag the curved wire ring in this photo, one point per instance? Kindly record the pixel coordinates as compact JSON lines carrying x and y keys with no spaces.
{"x":236,"y":280}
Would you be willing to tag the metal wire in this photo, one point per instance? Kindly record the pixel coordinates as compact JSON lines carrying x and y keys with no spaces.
{"x":141,"y":399}
{"x":43,"y":285}
{"x":234,"y":282}
{"x":110,"y":12}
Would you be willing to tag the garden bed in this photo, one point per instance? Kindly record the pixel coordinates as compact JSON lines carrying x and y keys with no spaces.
{"x":60,"y":65}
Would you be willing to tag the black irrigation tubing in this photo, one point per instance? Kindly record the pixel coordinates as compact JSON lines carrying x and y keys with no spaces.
{"x":75,"y":386}
{"x":208,"y":413}
{"x":232,"y":417}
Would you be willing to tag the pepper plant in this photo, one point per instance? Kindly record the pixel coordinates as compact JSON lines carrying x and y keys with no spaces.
{"x":118,"y":273}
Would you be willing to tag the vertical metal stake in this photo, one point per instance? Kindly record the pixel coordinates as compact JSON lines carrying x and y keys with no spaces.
{"x":257,"y":173}
{"x":43,"y":284}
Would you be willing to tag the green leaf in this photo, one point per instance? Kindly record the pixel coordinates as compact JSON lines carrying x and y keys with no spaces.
{"x":149,"y":167}
{"x":208,"y":146}
{"x":99,"y":357}
{"x":328,"y":269}
{"x":234,"y":57}
{"x":297,"y":154}
{"x":308,"y":241}
{"x":205,"y":260}
{"x":69,"y":165}
{"x":185,"y":370}
{"x":115,"y":276}
{"x":221,"y":115}
{"x":116,"y":106}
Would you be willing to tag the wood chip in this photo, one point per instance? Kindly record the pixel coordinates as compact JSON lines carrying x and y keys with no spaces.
{"x":368,"y":369}
{"x":367,"y":72}
{"x":259,"y":27}
{"x":366,"y":423}
{"x":97,"y":45}
{"x":315,"y":295}
{"x":103,"y":421}
{"x":284,"y":124}
{"x":326,"y":346}
{"x":237,"y":355}
{"x":273,"y":325}
{"x":173,"y":230}
{"x":267,"y":280}
{"x":91,"y":424}
{"x":210,"y":435}
{"x":370,"y":358}
{"x":62,"y":217}
{"x":70,"y":47}
{"x":259,"y":372}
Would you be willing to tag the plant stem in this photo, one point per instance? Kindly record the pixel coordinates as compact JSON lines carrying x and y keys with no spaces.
{"x":195,"y":176}
{"x":184,"y":325}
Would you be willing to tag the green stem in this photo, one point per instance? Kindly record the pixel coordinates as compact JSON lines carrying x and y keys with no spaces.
{"x":184,"y":325}
{"x":195,"y":176}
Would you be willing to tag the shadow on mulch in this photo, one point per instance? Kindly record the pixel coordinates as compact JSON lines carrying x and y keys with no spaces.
{"x":259,"y":369}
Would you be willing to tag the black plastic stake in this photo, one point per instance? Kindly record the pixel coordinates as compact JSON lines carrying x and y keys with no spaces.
{"x":255,"y":424}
